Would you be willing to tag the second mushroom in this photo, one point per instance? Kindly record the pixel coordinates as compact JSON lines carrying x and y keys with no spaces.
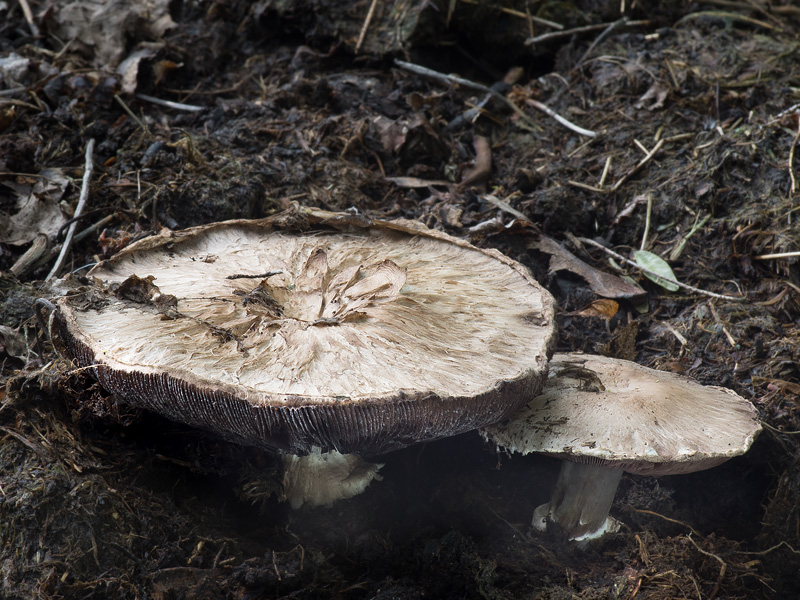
{"x":603,"y":416}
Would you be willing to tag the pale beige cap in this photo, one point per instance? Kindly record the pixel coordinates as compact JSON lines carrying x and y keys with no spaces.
{"x":617,"y":413}
{"x":313,"y":329}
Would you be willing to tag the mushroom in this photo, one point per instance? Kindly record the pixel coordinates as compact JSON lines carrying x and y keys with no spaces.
{"x":603,"y":416}
{"x":312,"y":332}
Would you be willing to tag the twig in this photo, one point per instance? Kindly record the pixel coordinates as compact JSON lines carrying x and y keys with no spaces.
{"x":768,"y":550}
{"x":586,"y":186}
{"x":655,"y":514}
{"x":791,"y":157}
{"x":551,"y":113}
{"x":529,"y":124}
{"x":26,"y":10}
{"x":780,"y":431}
{"x":776,"y":255}
{"x":78,"y":237}
{"x":678,"y":250}
{"x":638,"y":166}
{"x":170,"y":103}
{"x":722,"y":569}
{"x":660,"y":276}
{"x":721,"y":14}
{"x":577,"y":30}
{"x":450,"y":79}
{"x":611,"y":27}
{"x":365,"y":26}
{"x":131,"y":114}
{"x":606,"y":169}
{"x":87,"y":175}
{"x":517,"y":13}
{"x":647,"y":218}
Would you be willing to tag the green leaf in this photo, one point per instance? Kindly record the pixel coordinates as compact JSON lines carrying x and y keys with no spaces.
{"x":652,"y":262}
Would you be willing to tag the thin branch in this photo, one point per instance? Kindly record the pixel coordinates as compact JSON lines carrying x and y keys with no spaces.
{"x":638,"y":166}
{"x":776,"y":255}
{"x":552,"y":35}
{"x":450,"y":79}
{"x":365,"y":26}
{"x":131,"y":114}
{"x":660,"y":276}
{"x":26,"y":10}
{"x":722,"y":569}
{"x":170,"y":103}
{"x":611,"y":27}
{"x":87,"y":176}
{"x":551,"y":113}
{"x":791,"y":157}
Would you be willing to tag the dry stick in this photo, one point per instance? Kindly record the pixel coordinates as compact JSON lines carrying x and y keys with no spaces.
{"x":722,"y":569}
{"x":647,"y":219}
{"x":87,"y":175}
{"x":450,"y":79}
{"x":587,"y":29}
{"x":606,"y":169}
{"x":776,"y":255}
{"x":599,"y":39}
{"x":660,"y":276}
{"x":721,"y":14}
{"x":528,"y":123}
{"x":517,"y":13}
{"x":551,"y":113}
{"x":131,"y":114}
{"x":78,"y":237}
{"x":659,"y":515}
{"x":170,"y":103}
{"x":791,"y":157}
{"x":26,"y":10}
{"x":638,"y":166}
{"x":365,"y":26}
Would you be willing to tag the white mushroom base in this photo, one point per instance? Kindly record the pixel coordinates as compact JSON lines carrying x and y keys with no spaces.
{"x":322,"y":478}
{"x":580,"y":502}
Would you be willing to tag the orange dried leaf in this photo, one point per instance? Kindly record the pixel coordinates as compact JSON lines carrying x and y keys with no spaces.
{"x":603,"y":308}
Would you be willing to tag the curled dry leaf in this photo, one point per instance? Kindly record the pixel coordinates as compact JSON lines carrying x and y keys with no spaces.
{"x":601,"y":283}
{"x":38,"y":209}
{"x":602,"y":308}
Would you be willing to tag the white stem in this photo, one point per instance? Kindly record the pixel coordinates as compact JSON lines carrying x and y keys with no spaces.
{"x":322,"y":478}
{"x":582,"y":498}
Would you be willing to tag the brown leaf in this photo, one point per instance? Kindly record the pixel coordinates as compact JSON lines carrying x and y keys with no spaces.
{"x":602,"y":308}
{"x":601,"y":283}
{"x":481,"y":168}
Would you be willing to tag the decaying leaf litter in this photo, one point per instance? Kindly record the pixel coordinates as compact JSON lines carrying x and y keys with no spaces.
{"x":695,"y":110}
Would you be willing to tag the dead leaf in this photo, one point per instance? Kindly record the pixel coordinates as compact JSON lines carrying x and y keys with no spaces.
{"x":12,"y":342}
{"x":601,"y":283}
{"x":106,"y":25}
{"x":481,"y":167}
{"x":38,"y":209}
{"x":602,"y":308}
{"x":655,"y":95}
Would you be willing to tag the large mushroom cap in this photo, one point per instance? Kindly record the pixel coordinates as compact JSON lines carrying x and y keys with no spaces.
{"x":313,"y":330}
{"x":616,"y":413}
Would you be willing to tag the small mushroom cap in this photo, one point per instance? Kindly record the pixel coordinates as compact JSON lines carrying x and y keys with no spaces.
{"x":313,"y":329}
{"x":617,"y":413}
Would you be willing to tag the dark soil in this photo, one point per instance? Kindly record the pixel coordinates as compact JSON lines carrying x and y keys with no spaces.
{"x":98,"y":500}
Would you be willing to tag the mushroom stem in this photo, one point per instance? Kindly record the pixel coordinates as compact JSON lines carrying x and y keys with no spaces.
{"x":581,"y":500}
{"x":322,"y":478}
